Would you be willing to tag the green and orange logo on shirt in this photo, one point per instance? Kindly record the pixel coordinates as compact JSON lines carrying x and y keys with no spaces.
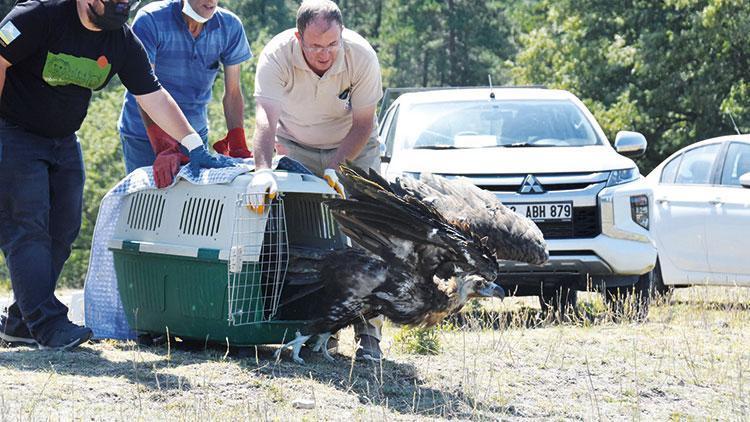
{"x":64,"y":69}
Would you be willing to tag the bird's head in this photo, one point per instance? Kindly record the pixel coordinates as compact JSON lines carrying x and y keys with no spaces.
{"x":473,"y":286}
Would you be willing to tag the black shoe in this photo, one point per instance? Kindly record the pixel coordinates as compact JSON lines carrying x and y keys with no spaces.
{"x":65,"y":337}
{"x":369,"y":349}
{"x":333,"y":344}
{"x":14,"y":332}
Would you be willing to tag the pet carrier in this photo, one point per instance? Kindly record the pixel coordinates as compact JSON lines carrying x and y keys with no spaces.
{"x":195,"y":262}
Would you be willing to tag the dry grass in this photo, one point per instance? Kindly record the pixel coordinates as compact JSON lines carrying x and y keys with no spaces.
{"x":689,"y":361}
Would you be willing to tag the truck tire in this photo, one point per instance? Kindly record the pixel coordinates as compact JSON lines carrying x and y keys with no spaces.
{"x":558,"y":300}
{"x":661,"y":291}
{"x":631,"y":302}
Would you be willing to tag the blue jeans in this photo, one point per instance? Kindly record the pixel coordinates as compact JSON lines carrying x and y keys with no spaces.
{"x":41,"y":202}
{"x":139,"y":153}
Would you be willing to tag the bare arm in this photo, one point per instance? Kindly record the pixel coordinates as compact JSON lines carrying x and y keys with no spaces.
{"x":163,"y":110}
{"x":356,"y":139}
{"x":4,"y":65}
{"x":146,"y":120}
{"x":234,"y":103}
{"x":267,"y":114}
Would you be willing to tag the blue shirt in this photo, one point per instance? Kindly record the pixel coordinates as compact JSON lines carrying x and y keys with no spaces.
{"x":186,"y":66}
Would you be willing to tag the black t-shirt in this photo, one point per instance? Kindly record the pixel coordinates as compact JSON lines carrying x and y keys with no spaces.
{"x":56,"y":63}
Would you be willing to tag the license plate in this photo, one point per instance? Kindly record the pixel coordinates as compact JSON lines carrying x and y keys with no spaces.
{"x":558,"y":211}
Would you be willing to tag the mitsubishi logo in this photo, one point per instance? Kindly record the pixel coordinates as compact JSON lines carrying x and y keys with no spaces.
{"x":531,"y":185}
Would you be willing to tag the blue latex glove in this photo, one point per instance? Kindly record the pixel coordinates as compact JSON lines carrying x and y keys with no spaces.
{"x":201,"y":158}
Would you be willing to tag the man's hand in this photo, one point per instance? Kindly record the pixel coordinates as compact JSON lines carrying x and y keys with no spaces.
{"x":221,"y":146}
{"x":166,"y":166}
{"x":234,"y":144}
{"x":263,"y":184}
{"x":162,"y":142}
{"x":333,"y":181}
{"x":168,"y":156}
{"x":201,"y":158}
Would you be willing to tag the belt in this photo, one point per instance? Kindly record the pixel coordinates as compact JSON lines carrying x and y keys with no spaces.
{"x":306,"y":147}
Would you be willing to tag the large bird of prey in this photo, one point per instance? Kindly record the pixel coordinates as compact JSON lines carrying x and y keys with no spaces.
{"x":427,"y":247}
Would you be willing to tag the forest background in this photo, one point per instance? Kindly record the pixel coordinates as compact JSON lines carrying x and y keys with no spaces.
{"x":673,"y":70}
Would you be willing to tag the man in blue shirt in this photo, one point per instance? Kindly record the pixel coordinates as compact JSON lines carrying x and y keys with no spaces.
{"x":186,"y":41}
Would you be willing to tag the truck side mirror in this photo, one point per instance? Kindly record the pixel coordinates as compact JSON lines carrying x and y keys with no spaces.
{"x":745,"y":180}
{"x":630,"y":144}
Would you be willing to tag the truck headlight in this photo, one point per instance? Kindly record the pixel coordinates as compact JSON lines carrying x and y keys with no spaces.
{"x":618,"y":177}
{"x":639,"y":210}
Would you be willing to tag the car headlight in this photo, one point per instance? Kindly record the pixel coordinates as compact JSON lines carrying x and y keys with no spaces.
{"x":618,"y":177}
{"x":639,"y":210}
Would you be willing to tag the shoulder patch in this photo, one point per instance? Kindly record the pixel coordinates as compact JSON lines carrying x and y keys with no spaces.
{"x":8,"y":33}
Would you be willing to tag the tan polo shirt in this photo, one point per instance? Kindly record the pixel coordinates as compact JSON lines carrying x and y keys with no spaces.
{"x":317,"y":111}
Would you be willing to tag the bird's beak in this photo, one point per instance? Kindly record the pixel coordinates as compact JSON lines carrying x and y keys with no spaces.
{"x":491,"y":290}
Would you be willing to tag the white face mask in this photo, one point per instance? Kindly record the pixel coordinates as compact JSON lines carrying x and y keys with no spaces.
{"x":192,"y":14}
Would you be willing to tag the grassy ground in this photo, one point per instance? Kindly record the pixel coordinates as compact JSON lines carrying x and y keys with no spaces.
{"x":690,"y":360}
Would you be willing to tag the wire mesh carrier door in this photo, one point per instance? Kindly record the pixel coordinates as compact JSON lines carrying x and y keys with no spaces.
{"x":259,"y":256}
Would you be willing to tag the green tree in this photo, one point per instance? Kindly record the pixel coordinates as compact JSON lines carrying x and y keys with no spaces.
{"x":669,"y":69}
{"x":439,"y":43}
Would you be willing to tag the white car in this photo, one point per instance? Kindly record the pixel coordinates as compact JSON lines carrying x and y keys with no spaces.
{"x":702,"y":213}
{"x":544,"y":155}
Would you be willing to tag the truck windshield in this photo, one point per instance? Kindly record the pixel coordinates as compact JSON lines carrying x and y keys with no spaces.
{"x":495,"y":124}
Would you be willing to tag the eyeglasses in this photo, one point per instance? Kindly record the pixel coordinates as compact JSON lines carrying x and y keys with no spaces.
{"x":317,"y":50}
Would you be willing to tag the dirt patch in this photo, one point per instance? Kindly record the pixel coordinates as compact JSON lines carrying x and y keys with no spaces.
{"x":691,"y":359}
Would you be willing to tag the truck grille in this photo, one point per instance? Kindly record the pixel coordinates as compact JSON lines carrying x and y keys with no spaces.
{"x":585,"y":224}
{"x":563,"y":187}
{"x":547,"y":187}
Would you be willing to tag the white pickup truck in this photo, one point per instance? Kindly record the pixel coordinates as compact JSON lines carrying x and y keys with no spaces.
{"x":543,"y":154}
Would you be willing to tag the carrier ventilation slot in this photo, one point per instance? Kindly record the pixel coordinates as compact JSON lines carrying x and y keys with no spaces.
{"x":146,"y":211}
{"x":318,"y":219}
{"x":201,"y":216}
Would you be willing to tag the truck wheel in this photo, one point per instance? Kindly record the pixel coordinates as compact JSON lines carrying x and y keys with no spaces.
{"x":631,"y":302}
{"x":558,"y":300}
{"x":661,"y":291}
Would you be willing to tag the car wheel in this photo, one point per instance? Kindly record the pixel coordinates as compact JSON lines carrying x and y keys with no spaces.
{"x":631,"y":302}
{"x":559,"y":301}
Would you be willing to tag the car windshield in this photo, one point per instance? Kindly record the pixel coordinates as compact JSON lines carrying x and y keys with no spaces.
{"x":496,"y":123}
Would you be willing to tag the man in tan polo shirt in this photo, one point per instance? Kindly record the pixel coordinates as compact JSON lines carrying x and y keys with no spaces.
{"x":317,"y":87}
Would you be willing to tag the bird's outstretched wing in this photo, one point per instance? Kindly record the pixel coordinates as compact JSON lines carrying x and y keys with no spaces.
{"x":510,"y":236}
{"x":403,"y":229}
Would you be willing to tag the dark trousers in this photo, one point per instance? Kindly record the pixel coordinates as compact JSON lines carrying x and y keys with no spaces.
{"x":41,"y":198}
{"x":137,"y":152}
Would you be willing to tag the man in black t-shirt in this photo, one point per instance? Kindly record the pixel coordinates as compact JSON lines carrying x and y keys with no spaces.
{"x":53,"y":53}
